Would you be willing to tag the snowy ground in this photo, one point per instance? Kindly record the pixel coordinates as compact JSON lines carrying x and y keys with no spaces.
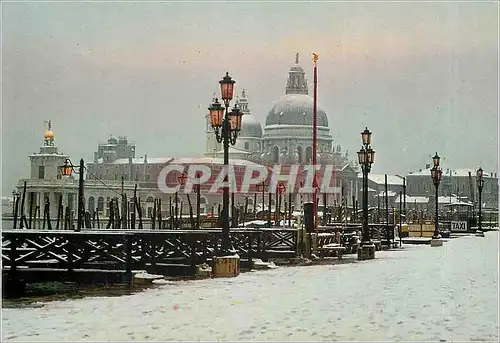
{"x":419,"y":294}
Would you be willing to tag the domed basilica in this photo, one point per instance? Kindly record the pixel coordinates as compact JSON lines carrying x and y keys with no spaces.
{"x":287,"y":134}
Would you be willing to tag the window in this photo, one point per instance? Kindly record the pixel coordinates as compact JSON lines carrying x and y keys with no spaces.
{"x":148,"y":177}
{"x":41,"y":172}
{"x":247,"y":146}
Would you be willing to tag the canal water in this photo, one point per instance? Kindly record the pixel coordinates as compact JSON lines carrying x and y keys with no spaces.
{"x":418,"y":293}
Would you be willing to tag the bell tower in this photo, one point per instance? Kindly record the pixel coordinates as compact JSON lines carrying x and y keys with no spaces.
{"x":45,"y":165}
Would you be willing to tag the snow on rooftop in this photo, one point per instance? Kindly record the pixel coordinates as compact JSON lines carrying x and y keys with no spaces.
{"x":414,"y":199}
{"x":390,"y":193}
{"x":211,"y":160}
{"x":460,"y":172}
{"x":139,"y":160}
{"x":235,"y":150}
{"x":380,"y":179}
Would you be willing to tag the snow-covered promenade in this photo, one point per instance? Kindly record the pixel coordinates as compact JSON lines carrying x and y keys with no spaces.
{"x":418,"y":293}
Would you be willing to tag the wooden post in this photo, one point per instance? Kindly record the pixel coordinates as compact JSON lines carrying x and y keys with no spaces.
{"x":276,"y":209}
{"x":269,"y":210}
{"x":324,"y":208}
{"x":118,"y":214}
{"x":59,"y":212}
{"x":88,"y":220}
{"x":98,"y":221}
{"x":191,"y":216}
{"x":135,"y":206}
{"x":124,"y":216}
{"x":110,"y":219}
{"x":181,"y":222}
{"x":198,"y":205}
{"x":139,"y":211}
{"x":32,"y":195}
{"x":16,"y":200}
{"x":153,"y":216}
{"x":160,"y":222}
{"x":233,"y":219}
{"x":171,"y":212}
{"x":66,"y":218}
{"x":37,"y":215}
{"x":23,"y":218}
{"x":255,"y":205}
{"x":172,"y":218}
{"x":245,"y":211}
{"x":47,"y":213}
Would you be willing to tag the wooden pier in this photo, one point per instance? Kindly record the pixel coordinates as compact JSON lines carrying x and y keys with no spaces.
{"x":112,"y":255}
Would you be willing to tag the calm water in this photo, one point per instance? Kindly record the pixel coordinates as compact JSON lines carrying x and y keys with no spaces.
{"x":419,"y":293}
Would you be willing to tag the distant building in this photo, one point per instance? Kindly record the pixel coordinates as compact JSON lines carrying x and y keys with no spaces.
{"x":46,"y":183}
{"x":287,"y":137}
{"x":376,"y":189}
{"x":455,"y":183}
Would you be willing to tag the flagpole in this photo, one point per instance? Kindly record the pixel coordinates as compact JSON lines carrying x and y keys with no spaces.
{"x":315,"y":210}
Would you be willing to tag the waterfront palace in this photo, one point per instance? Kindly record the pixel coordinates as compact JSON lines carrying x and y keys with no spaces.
{"x":285,"y":139}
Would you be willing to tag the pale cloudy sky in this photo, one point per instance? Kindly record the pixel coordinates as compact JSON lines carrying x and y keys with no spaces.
{"x":422,"y":76}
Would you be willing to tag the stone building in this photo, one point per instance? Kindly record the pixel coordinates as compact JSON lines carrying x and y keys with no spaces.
{"x":454,"y":183}
{"x":286,"y":138}
{"x":46,"y":184}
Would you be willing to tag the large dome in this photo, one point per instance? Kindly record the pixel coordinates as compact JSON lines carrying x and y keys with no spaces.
{"x":295,"y":109}
{"x":250,"y":127}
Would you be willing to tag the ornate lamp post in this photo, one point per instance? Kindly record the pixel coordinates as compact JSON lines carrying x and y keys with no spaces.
{"x":366,"y":157}
{"x":226,"y":126}
{"x":66,"y":170}
{"x":480,"y":184}
{"x":436,"y":174}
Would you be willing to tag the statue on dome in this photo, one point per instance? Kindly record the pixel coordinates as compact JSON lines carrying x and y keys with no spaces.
{"x":297,"y":58}
{"x":48,"y":136}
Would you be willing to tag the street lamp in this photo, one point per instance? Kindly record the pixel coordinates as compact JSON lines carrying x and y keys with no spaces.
{"x":480,"y":184}
{"x":66,"y":169}
{"x":436,"y":174}
{"x":366,"y":157}
{"x":226,"y":126}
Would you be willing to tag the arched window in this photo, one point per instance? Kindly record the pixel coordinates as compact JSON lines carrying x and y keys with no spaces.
{"x":276,"y":154}
{"x":309,"y":155}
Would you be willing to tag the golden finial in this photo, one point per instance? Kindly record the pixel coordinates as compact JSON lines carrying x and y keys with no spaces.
{"x":48,"y":135}
{"x":315,"y":57}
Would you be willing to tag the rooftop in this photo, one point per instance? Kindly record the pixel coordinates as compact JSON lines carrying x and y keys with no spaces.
{"x":460,"y":172}
{"x":379,"y":179}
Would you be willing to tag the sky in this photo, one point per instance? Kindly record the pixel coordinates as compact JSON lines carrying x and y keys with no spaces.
{"x":422,"y":76}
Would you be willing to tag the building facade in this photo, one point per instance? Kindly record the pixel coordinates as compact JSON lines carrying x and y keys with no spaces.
{"x":459,"y":183}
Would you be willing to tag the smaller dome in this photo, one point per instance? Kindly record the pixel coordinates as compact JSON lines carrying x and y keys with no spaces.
{"x":48,"y":134}
{"x":250,"y":127}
